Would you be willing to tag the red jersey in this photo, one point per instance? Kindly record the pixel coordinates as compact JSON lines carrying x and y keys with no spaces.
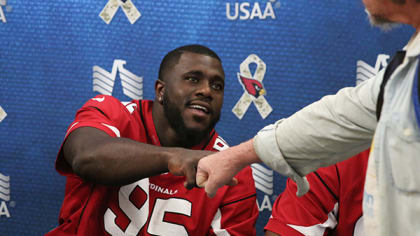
{"x":333,"y":205}
{"x":159,"y":205}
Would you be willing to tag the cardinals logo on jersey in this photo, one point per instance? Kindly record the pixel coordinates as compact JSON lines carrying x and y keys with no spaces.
{"x":252,"y":86}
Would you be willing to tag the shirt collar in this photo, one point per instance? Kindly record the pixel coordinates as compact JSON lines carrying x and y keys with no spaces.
{"x":413,"y":46}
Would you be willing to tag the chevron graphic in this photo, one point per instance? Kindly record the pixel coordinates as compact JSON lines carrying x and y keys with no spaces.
{"x":103,"y":81}
{"x":3,"y":114}
{"x":365,"y":71}
{"x":263,"y":178}
{"x":4,"y":187}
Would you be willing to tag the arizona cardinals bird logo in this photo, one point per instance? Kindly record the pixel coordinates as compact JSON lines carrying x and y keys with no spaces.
{"x":254,"y":91}
{"x":252,"y":86}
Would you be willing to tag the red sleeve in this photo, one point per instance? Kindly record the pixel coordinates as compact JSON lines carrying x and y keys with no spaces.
{"x":310,"y":213}
{"x":102,"y":112}
{"x":238,"y":212}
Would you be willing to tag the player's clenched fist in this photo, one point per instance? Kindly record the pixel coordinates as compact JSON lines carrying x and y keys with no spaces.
{"x":185,"y":164}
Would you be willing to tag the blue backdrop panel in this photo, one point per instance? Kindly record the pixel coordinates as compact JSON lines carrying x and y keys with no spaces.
{"x":48,"y":50}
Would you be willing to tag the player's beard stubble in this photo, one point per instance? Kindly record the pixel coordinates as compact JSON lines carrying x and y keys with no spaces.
{"x":188,"y":137}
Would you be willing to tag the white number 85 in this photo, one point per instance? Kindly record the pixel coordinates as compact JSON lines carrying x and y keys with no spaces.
{"x":139,"y":216}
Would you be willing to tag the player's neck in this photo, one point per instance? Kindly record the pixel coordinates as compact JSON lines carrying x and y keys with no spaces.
{"x":167,"y":136}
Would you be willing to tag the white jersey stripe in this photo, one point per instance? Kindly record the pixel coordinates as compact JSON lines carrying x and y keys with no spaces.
{"x":115,"y":130}
{"x":216,"y":224}
{"x":318,"y":229}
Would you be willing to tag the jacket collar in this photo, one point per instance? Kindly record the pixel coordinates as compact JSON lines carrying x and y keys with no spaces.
{"x":413,"y":46}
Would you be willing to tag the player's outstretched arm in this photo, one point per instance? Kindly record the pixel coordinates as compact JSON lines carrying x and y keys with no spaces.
{"x":96,"y":156}
{"x":217,"y":170}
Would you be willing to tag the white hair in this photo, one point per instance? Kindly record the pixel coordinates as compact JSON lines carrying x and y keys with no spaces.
{"x":381,"y":22}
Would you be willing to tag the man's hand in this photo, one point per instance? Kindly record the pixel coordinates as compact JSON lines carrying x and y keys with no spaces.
{"x":185,"y":163}
{"x":219,"y":169}
{"x":215,"y":171}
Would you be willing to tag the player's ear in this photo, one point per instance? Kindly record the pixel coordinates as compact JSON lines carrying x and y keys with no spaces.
{"x":159,"y":90}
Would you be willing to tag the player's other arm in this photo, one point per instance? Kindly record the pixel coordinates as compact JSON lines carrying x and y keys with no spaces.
{"x":95,"y":156}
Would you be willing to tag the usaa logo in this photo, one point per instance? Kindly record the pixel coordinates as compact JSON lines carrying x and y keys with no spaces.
{"x":251,"y":10}
{"x":5,"y":196}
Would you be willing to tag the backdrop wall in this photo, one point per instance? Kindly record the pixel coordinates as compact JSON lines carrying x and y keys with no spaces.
{"x":55,"y":55}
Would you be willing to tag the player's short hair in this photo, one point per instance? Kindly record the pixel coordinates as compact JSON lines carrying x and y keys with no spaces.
{"x":173,"y":56}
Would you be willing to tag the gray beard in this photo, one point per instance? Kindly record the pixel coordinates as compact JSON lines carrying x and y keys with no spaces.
{"x":381,"y":22}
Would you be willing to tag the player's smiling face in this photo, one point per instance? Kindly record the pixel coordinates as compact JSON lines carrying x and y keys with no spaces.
{"x":193,"y":96}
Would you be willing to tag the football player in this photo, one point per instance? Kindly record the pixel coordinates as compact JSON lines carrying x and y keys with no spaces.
{"x":131,"y":167}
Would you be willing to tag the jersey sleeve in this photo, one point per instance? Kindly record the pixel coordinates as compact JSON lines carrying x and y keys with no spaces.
{"x":103,"y":112}
{"x":238,"y":211}
{"x":312,"y":214}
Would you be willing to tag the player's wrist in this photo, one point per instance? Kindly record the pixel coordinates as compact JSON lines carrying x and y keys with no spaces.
{"x":167,"y":158}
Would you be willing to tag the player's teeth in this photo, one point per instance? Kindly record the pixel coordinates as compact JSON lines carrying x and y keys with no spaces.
{"x":199,"y":107}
